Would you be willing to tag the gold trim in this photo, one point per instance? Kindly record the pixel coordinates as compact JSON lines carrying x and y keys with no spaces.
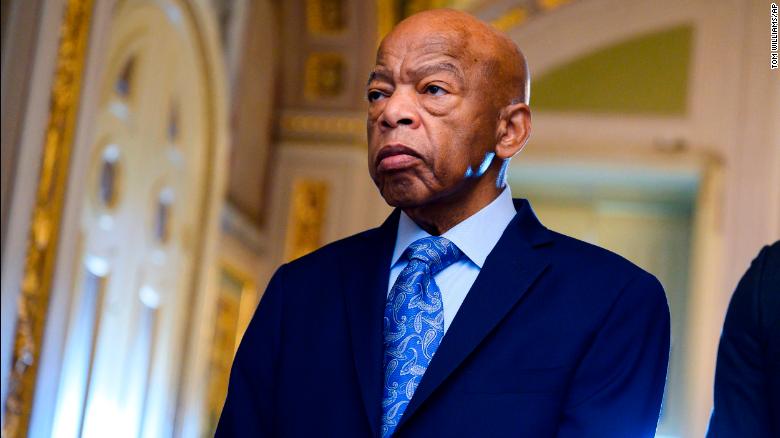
{"x":549,"y":5}
{"x":33,"y":301}
{"x":385,"y":18}
{"x":307,"y":216}
{"x":230,"y":322}
{"x":325,"y":17}
{"x":324,"y":75}
{"x":318,"y":124}
{"x":249,"y":298}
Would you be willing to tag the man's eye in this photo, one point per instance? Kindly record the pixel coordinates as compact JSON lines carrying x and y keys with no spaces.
{"x":375,"y":95}
{"x":435,"y":90}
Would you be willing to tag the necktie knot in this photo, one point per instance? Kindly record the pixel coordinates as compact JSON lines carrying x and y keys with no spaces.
{"x":434,"y":251}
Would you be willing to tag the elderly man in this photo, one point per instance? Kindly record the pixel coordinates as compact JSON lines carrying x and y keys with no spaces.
{"x":461,"y":315}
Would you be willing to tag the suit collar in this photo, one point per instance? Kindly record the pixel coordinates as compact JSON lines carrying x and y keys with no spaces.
{"x":527,"y":226}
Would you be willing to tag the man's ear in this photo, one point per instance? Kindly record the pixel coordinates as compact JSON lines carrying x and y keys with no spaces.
{"x":514,"y":128}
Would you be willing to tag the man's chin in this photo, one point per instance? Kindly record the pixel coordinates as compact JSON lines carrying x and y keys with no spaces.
{"x":402,"y":202}
{"x":398,"y":197}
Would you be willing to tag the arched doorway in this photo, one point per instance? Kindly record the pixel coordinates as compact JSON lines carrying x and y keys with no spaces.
{"x":145,"y":224}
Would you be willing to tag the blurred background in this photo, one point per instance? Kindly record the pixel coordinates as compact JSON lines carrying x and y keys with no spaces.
{"x":160,"y":158}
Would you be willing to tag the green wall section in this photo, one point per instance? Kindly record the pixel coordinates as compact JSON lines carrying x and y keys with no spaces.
{"x":644,"y":75}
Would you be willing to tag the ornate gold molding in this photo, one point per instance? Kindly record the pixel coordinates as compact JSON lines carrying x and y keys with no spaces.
{"x":326,"y":17}
{"x":307,"y":217}
{"x":324,"y":75}
{"x":385,"y":18}
{"x":236,"y":297}
{"x":317,"y":125}
{"x":33,"y":301}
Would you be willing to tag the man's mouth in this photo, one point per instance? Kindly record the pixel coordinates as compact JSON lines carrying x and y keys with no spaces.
{"x":396,"y":156}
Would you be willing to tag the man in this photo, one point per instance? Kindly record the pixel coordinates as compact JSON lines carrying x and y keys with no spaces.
{"x":747,"y":376}
{"x":461,"y":315}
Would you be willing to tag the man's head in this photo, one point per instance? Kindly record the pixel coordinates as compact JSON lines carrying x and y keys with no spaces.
{"x":446,"y":89}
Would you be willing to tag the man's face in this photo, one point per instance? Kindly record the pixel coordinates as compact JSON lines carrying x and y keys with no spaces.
{"x":430,"y":116}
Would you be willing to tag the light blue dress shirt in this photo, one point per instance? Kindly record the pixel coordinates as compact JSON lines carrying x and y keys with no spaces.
{"x":475,"y":237}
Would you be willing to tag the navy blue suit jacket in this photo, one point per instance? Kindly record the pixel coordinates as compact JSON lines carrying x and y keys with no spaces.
{"x":556,"y":337}
{"x":747,"y":375}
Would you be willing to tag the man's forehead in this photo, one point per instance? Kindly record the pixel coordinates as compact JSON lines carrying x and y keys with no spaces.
{"x":452,"y":44}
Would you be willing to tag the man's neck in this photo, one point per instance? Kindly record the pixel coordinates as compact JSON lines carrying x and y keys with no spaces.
{"x":438,"y":217}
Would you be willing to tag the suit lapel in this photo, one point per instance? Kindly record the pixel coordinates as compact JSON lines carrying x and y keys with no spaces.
{"x":510,"y":269}
{"x":365,"y":293}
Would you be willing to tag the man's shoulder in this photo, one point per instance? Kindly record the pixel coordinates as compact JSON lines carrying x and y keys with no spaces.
{"x":599,"y":269}
{"x":590,"y":256}
{"x":350,"y":247}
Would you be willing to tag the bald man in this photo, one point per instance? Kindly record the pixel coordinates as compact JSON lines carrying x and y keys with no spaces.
{"x":461,"y":315}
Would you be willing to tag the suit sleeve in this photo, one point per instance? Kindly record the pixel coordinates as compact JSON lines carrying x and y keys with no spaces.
{"x":741,"y":392}
{"x":618,"y":385}
{"x":248,"y":409}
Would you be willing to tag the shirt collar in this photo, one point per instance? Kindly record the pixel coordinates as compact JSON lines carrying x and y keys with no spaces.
{"x":475,"y":237}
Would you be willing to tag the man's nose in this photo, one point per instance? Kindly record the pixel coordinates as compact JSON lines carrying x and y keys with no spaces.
{"x":400,"y":110}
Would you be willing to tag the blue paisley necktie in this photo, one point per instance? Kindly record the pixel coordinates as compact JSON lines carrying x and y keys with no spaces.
{"x":413,"y":323}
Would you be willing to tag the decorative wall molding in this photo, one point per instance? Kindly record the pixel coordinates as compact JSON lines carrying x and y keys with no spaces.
{"x":44,"y":231}
{"x":308,"y":210}
{"x":349,"y":127}
{"x":236,"y":297}
{"x":239,"y":225}
{"x":326,"y":17}
{"x":324,"y":75}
